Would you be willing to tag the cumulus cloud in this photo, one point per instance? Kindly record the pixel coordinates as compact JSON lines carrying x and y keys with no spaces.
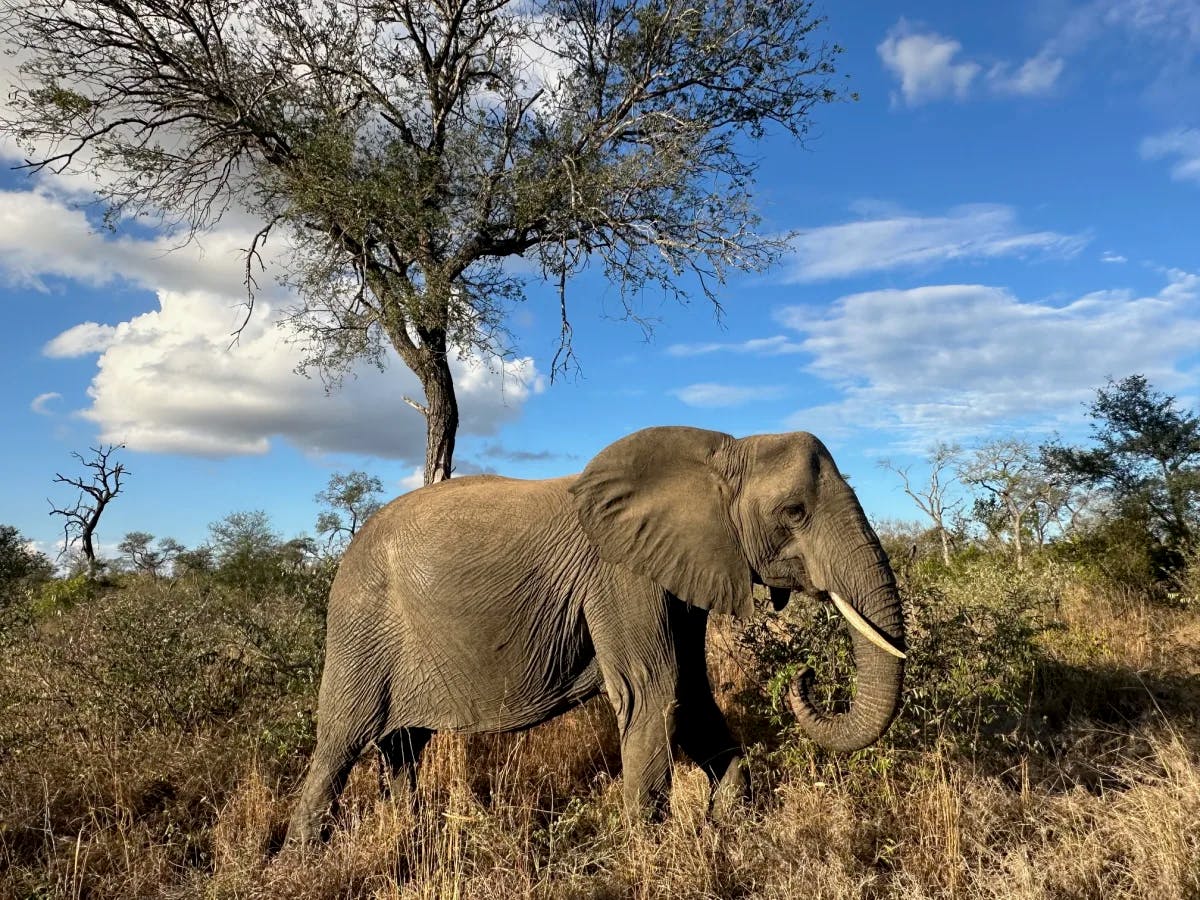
{"x":412,"y":481}
{"x":708,"y":394}
{"x":924,"y":63}
{"x":898,"y":240}
{"x":948,"y":361}
{"x":81,"y":340}
{"x":1182,"y":146}
{"x":41,"y":237}
{"x":930,"y":66}
{"x":39,"y":403}
{"x":168,"y":380}
{"x":776,"y":345}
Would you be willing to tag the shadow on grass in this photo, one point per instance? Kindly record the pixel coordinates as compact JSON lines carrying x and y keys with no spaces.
{"x":1084,"y":722}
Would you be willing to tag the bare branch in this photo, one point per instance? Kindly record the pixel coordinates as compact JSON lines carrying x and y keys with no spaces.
{"x":415,"y":405}
{"x":101,"y":486}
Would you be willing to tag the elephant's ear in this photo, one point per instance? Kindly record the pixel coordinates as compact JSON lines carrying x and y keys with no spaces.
{"x":656,"y":503}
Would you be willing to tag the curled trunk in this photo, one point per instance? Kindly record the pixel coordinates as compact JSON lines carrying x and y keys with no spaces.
{"x":867,"y":582}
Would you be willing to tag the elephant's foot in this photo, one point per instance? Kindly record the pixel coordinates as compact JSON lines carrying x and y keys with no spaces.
{"x":302,"y":833}
{"x":732,"y":792}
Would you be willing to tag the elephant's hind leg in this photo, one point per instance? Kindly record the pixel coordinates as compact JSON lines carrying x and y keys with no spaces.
{"x":343,"y":732}
{"x":401,"y":751}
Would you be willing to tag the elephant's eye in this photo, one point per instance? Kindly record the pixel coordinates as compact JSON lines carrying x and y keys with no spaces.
{"x":796,"y":512}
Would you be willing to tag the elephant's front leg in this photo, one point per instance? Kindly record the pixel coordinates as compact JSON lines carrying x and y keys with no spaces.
{"x":702,"y":732}
{"x":636,"y":654}
{"x":647,"y":737}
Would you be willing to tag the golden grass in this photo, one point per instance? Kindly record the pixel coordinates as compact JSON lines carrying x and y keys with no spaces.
{"x":1108,"y":808}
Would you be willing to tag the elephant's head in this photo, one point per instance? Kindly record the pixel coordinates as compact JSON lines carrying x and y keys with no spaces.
{"x":705,"y":515}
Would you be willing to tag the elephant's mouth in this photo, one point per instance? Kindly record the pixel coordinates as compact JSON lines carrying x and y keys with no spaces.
{"x":786,"y":575}
{"x":781,"y":595}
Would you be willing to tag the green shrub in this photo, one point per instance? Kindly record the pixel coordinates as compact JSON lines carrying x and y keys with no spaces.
{"x":973,"y":637}
{"x":21,"y":567}
{"x":158,"y":654}
{"x":63,"y":594}
{"x":1120,"y":551}
{"x":1185,"y":583}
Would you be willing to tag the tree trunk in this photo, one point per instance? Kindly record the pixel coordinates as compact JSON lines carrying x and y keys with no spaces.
{"x":441,"y":417}
{"x":89,"y":548}
{"x":1017,"y":545}
{"x":946,"y":543}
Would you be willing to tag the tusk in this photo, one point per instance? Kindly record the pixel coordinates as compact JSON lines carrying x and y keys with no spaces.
{"x":863,"y":627}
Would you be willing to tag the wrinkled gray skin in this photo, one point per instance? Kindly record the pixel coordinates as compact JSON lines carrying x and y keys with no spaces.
{"x":491,"y":604}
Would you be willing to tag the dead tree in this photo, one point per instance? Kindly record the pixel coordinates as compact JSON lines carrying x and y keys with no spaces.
{"x":932,"y":499}
{"x":95,"y":493}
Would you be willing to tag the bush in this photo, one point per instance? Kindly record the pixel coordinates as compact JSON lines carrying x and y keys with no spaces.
{"x":21,"y":568}
{"x":1185,"y":583}
{"x":973,"y":638}
{"x":126,"y":721}
{"x":1120,"y":551}
{"x":63,"y":594}
{"x":157,"y":654}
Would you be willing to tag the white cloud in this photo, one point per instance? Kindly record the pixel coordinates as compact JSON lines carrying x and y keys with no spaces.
{"x":930,"y":66}
{"x":412,"y":481}
{"x":777,"y":345}
{"x":949,"y":361}
{"x":1109,"y":256}
{"x":81,"y":340}
{"x":925,"y":64}
{"x":1037,"y":75}
{"x":39,"y":403}
{"x":1182,"y":145}
{"x":1174,"y":23}
{"x":708,"y":394}
{"x":168,"y":381}
{"x":971,"y":231}
{"x":42,"y":236}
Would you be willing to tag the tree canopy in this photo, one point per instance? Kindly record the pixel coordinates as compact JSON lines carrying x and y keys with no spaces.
{"x":352,"y":499}
{"x":407,"y":149}
{"x":1146,"y":455}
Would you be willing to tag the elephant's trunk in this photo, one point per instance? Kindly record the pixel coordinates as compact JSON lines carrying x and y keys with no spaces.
{"x":866,"y":582}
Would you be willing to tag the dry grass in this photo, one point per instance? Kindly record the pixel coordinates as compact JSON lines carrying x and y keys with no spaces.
{"x":1102,"y":801}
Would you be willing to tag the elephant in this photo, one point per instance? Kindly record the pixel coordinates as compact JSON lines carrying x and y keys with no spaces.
{"x":492,"y":604}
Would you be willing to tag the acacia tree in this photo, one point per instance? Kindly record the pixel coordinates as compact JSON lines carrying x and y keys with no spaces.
{"x":932,"y":499}
{"x":96,"y":491}
{"x":409,"y":147}
{"x":352,"y":498}
{"x":1013,"y":481}
{"x":1146,"y":456}
{"x":135,"y":546}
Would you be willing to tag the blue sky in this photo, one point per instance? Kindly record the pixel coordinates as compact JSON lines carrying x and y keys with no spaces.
{"x":1006,"y":217}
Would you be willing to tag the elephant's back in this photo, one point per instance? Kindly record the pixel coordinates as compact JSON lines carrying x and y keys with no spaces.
{"x":452,"y":524}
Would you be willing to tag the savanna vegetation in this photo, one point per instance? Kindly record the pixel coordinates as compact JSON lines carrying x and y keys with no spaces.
{"x":155,"y":720}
